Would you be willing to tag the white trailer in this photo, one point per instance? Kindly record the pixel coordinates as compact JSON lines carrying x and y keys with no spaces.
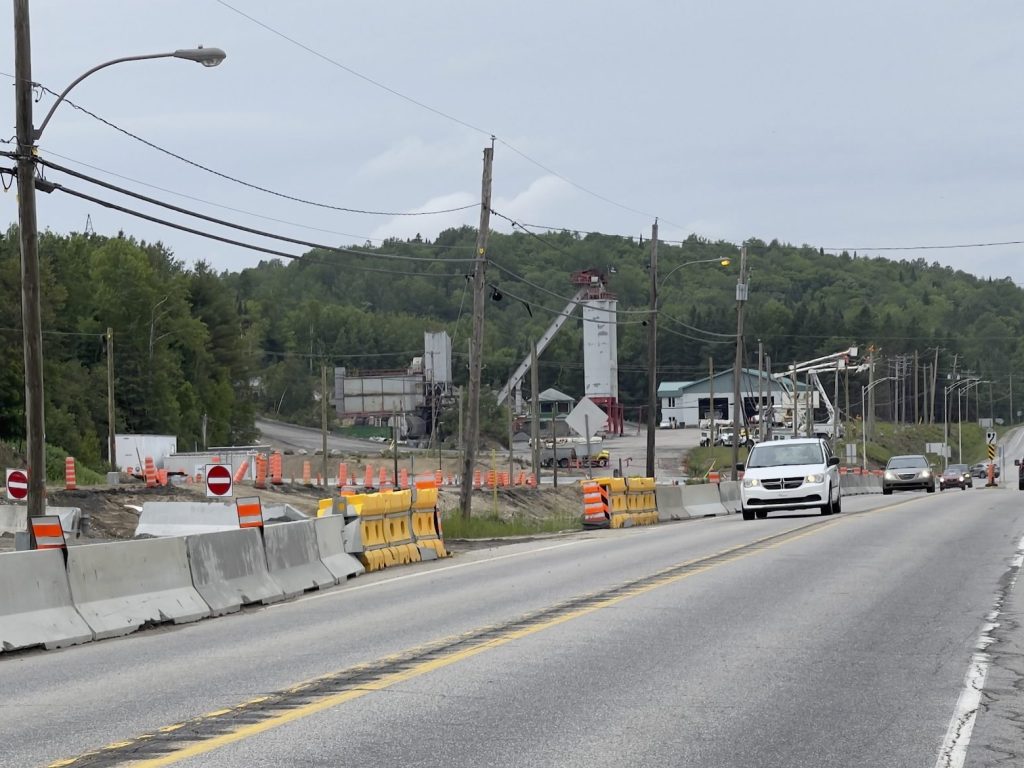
{"x":132,"y":450}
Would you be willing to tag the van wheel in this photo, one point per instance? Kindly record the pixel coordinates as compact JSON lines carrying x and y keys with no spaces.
{"x":761,"y":514}
{"x":563,"y":463}
{"x":838,"y":506}
{"x":748,"y":514}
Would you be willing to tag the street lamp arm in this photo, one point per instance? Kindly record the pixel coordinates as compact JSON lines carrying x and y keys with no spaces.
{"x":208,"y":57}
{"x":723,"y":261}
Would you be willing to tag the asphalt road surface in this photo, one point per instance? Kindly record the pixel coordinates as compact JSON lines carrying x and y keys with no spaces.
{"x":887,"y":636}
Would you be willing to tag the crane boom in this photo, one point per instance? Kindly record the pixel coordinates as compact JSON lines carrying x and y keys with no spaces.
{"x":516,"y":378}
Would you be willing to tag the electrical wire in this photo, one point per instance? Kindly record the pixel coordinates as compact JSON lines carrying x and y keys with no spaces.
{"x":250,"y":213}
{"x":250,"y":185}
{"x":529,"y":304}
{"x":439,"y":113}
{"x":240,"y":244}
{"x":240,"y":227}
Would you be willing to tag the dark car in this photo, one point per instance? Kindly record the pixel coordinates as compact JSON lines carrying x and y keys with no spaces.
{"x":956,"y":476}
{"x":908,"y":473}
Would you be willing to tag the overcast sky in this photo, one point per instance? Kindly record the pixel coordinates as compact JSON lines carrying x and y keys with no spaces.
{"x":837,"y":124}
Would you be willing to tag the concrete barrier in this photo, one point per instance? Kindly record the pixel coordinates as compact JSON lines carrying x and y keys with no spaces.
{"x":729,"y":495}
{"x":670,"y":502}
{"x":122,"y":586}
{"x":185,"y":518}
{"x":14,"y":519}
{"x":35,"y":602}
{"x":229,"y":570}
{"x":702,"y":500}
{"x":293,"y":558}
{"x":330,"y":531}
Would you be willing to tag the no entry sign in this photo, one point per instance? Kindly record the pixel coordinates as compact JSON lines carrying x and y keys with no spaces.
{"x":218,"y":480}
{"x":17,"y":484}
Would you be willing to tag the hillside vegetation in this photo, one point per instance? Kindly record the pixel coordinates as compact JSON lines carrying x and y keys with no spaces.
{"x":190,"y":342}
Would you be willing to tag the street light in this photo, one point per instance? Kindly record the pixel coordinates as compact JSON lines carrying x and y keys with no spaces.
{"x":956,"y":386}
{"x":27,"y":136}
{"x":652,"y":341}
{"x":863,"y":420}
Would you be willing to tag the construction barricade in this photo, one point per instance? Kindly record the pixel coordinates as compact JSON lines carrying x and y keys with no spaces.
{"x":426,"y":522}
{"x":616,"y":502}
{"x":398,"y":527}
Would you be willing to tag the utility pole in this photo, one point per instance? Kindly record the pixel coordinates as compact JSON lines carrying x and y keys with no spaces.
{"x":30,"y":301}
{"x":760,"y":391}
{"x":935,"y":380}
{"x":868,"y":419}
{"x":796,"y":404}
{"x":711,"y":401}
{"x":916,"y":373}
{"x":476,"y":348}
{"x":535,"y":411}
{"x":323,"y":424}
{"x":111,"y":431}
{"x":738,"y":413}
{"x":652,"y":353}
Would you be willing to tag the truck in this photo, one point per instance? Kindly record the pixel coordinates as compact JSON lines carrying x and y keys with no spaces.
{"x":565,"y":456}
{"x":132,"y":450}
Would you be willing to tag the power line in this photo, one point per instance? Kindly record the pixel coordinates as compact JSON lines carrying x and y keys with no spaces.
{"x":229,"y":241}
{"x":439,"y":113}
{"x":239,"y":227}
{"x":250,"y":185}
{"x":248,"y":213}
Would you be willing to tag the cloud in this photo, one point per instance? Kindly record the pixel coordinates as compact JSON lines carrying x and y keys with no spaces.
{"x":414,"y":155}
{"x":406,"y":227}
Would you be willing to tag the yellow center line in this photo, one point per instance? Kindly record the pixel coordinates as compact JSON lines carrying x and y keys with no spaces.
{"x":426,"y":667}
{"x":327,"y":702}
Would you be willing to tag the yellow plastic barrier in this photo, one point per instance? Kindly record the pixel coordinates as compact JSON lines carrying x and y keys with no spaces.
{"x":627,"y":501}
{"x":426,"y":522}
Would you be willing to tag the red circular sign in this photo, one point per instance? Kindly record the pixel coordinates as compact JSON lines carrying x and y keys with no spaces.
{"x":218,"y":480}
{"x":17,"y":484}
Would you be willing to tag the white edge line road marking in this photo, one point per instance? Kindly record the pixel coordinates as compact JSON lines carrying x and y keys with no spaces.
{"x":958,"y":736}
{"x":420,"y":574}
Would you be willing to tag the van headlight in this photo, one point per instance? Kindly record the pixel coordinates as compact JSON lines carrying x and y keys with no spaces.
{"x":751,"y":482}
{"x":815,"y":479}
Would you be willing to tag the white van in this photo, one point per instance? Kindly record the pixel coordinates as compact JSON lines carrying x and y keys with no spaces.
{"x":798,"y":473}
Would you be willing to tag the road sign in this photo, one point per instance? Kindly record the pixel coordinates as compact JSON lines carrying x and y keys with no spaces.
{"x":218,"y":480}
{"x":991,"y":437}
{"x":587,"y":414}
{"x":991,"y":452}
{"x":17,"y":484}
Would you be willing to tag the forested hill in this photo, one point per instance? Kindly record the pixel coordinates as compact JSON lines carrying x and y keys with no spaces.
{"x":190,"y":341}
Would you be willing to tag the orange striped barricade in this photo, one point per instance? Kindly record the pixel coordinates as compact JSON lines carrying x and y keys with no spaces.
{"x":403,"y":478}
{"x":398,"y":527}
{"x":261,"y":471}
{"x":714,"y":476}
{"x":438,"y":477}
{"x":641,"y":501}
{"x":240,"y":472}
{"x":477,"y":483}
{"x":596,"y":513}
{"x":70,"y":482}
{"x":250,"y":512}
{"x":342,"y":475}
{"x":426,"y":522}
{"x":307,"y":473}
{"x":48,"y":532}
{"x":151,"y":478}
{"x":368,"y":477}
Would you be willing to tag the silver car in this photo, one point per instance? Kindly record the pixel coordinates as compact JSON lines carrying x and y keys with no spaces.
{"x":908,"y":473}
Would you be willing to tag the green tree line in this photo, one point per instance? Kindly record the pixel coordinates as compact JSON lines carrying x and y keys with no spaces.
{"x":192,"y":342}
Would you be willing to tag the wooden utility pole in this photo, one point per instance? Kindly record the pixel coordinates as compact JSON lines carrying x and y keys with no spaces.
{"x":760,"y":391}
{"x":111,"y":429}
{"x":31,"y":320}
{"x":796,"y":404}
{"x":935,"y":384}
{"x":916,"y":373}
{"x":652,"y":353}
{"x":323,"y":422}
{"x":738,"y":414}
{"x":868,"y":419}
{"x":535,"y":411}
{"x":711,"y":402}
{"x":476,"y":348}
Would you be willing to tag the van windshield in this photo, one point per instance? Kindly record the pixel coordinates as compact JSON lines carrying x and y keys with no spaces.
{"x":782,"y":454}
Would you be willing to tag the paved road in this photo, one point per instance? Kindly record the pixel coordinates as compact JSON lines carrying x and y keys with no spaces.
{"x":796,"y":641}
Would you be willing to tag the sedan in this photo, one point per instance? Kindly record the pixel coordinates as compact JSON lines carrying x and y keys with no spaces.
{"x":956,"y":476}
{"x":908,"y":473}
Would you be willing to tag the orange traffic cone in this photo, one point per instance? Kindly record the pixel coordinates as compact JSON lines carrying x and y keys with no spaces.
{"x":70,"y":484}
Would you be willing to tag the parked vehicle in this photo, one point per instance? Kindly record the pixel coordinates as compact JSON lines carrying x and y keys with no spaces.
{"x":565,"y":457}
{"x":980,"y":470}
{"x":599,"y":459}
{"x":1020,"y":473}
{"x":908,"y":473}
{"x":800,"y":473}
{"x":956,"y":476}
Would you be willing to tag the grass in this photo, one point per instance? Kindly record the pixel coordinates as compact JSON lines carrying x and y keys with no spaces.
{"x":363,"y":431}
{"x":702,"y":460}
{"x":492,"y":527}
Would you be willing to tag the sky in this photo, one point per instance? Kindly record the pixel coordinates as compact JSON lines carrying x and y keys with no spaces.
{"x":840,"y":125}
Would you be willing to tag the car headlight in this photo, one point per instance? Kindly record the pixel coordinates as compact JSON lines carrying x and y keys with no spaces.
{"x":890,"y":475}
{"x":815,"y":478}
{"x":751,"y":482}
{"x":926,"y":473}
